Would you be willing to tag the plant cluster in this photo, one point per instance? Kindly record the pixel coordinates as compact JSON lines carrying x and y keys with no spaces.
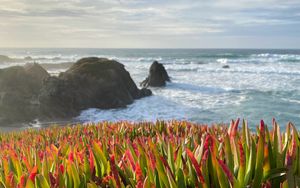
{"x":162,"y":154}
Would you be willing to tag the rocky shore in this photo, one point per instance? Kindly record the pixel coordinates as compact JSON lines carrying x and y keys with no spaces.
{"x":29,"y":92}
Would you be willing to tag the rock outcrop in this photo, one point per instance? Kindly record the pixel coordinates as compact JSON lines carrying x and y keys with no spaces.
{"x":19,"y":91}
{"x":157,"y":77}
{"x":89,"y":83}
{"x":29,"y":92}
{"x":4,"y":58}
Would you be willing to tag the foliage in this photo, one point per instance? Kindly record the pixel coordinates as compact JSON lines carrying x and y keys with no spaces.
{"x":162,"y":154}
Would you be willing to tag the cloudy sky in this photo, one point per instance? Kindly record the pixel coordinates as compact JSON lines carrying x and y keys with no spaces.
{"x":150,"y":23}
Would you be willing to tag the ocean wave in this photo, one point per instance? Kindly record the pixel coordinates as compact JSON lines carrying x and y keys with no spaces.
{"x":277,"y":57}
{"x":55,"y":66}
{"x":291,"y":100}
{"x":292,"y":93}
{"x":261,"y":59}
{"x":268,"y":72}
{"x":134,"y":59}
{"x":223,"y":55}
{"x":251,"y":60}
{"x":44,"y":58}
{"x":197,"y":88}
{"x":242,"y":67}
{"x":222,"y":61}
{"x":181,"y":69}
{"x":141,"y":110}
{"x":249,"y":71}
{"x":11,"y":59}
{"x":52,"y":58}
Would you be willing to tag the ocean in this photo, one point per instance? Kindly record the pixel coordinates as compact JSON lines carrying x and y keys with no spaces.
{"x":259,"y":84}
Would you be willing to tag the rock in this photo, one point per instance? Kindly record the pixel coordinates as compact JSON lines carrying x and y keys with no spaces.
{"x":4,"y":58}
{"x":19,"y":90}
{"x":145,"y":92}
{"x":36,"y":71}
{"x":28,"y":58}
{"x":157,"y":76}
{"x":225,"y":67}
{"x":29,"y":92}
{"x":89,"y":83}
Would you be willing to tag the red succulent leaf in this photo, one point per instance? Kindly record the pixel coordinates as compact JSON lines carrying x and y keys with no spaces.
{"x":152,"y":160}
{"x":167,"y":166}
{"x":26,"y":163}
{"x":41,"y":155}
{"x":226,"y":170}
{"x":91,"y":160}
{"x":106,"y":179}
{"x":114,"y":170}
{"x":33,"y":173}
{"x":195,"y":164}
{"x":175,"y":154}
{"x":13,"y":154}
{"x":273,"y":121}
{"x":62,"y":168}
{"x":71,"y":157}
{"x":10,"y":179}
{"x":22,"y":182}
{"x":207,"y":142}
{"x":139,"y":176}
{"x":205,"y":156}
{"x":242,"y":153}
{"x":135,"y":148}
{"x":262,"y":127}
{"x":234,"y":128}
{"x":130,"y":158}
{"x":267,"y":185}
{"x":288,"y":160}
{"x":52,"y":180}
{"x":293,"y":149}
{"x":54,"y":148}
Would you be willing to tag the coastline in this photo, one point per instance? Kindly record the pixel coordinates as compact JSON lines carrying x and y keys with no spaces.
{"x":258,"y":84}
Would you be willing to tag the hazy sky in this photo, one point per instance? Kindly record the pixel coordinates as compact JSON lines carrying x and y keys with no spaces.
{"x":150,"y":23}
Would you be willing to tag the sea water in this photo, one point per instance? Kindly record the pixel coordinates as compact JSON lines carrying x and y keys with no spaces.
{"x":259,"y":84}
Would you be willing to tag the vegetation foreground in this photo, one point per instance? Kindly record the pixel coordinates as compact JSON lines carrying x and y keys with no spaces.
{"x":161,"y":154}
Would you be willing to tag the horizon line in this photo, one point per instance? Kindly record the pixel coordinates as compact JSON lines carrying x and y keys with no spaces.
{"x":145,"y":48}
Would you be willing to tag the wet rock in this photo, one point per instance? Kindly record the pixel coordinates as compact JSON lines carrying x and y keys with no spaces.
{"x":29,"y":92}
{"x":19,"y":90}
{"x":89,"y":83}
{"x":4,"y":58}
{"x":157,"y":77}
{"x":28,"y":58}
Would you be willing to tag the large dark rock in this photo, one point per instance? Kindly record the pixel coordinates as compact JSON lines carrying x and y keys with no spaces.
{"x":29,"y":92}
{"x":19,"y":90}
{"x":89,"y":83}
{"x":157,"y":77}
{"x":4,"y":58}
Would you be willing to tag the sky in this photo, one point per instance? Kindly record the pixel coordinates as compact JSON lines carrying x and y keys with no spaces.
{"x":150,"y":23}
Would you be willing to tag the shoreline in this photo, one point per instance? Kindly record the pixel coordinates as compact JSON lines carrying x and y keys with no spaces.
{"x":257,"y":85}
{"x":37,"y":125}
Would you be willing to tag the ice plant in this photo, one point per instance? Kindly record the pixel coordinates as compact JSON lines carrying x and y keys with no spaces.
{"x":161,"y":154}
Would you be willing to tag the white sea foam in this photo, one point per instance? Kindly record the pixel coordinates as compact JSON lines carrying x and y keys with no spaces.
{"x":140,"y":110}
{"x":222,"y":61}
{"x":291,"y":100}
